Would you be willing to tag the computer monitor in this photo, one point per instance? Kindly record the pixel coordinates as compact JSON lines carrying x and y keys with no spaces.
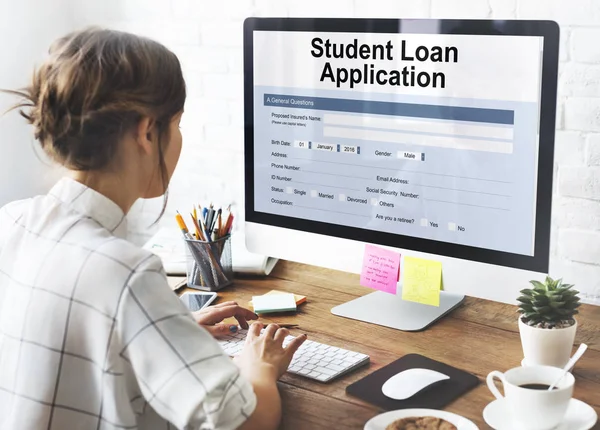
{"x":434,"y":138}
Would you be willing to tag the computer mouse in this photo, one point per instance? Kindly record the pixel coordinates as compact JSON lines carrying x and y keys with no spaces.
{"x":409,"y":382}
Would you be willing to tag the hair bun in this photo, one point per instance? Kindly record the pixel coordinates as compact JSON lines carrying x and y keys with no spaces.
{"x":95,"y":85}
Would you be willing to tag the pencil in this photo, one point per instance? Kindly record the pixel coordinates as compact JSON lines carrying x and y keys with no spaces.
{"x":198,"y":231}
{"x":229,"y":225}
{"x":182,"y":225}
{"x":224,"y":229}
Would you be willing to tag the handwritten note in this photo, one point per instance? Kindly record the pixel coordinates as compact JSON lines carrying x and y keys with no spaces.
{"x":422,"y":280}
{"x":380,"y":269}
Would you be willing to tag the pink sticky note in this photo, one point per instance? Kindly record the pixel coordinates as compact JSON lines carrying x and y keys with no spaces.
{"x":380,"y":269}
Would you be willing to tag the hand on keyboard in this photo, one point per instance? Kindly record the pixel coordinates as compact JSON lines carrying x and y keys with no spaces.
{"x":312,"y":359}
{"x":265,"y":347}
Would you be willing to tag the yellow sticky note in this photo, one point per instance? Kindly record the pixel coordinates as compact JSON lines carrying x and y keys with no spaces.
{"x":422,"y":280}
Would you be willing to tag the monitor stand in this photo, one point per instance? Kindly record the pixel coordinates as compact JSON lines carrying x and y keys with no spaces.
{"x":391,"y":311}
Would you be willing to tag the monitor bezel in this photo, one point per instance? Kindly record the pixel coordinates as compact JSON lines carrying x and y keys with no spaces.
{"x":549,"y":30}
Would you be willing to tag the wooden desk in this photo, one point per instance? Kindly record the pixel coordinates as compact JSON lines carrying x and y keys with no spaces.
{"x":479,"y":337}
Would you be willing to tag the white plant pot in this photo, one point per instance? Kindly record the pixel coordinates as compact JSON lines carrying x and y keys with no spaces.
{"x":548,"y":347}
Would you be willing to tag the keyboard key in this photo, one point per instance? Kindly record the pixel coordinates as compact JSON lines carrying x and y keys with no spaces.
{"x":335,"y":367}
{"x":314,"y":374}
{"x":325,"y":371}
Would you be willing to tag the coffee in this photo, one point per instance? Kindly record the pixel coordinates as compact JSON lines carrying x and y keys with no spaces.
{"x":536,"y":386}
{"x":531,"y":406}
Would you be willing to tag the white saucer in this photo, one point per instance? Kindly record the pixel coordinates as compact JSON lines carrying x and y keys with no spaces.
{"x":381,"y":421}
{"x":524,"y":364}
{"x":579,"y":416}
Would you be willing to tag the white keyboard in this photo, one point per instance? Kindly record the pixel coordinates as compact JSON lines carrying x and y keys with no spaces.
{"x":313,"y":360}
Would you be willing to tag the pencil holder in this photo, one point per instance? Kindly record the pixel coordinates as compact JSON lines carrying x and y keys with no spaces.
{"x":209,"y":265}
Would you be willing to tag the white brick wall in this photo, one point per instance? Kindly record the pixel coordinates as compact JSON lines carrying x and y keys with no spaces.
{"x":388,"y":8}
{"x":580,"y":80}
{"x":460,"y":9}
{"x":582,"y":113}
{"x":566,"y":12}
{"x":207,"y":35}
{"x":503,"y":8}
{"x":580,"y":246}
{"x":570,"y":148}
{"x":584,"y":45}
{"x":593,"y":149}
{"x":579,"y":182}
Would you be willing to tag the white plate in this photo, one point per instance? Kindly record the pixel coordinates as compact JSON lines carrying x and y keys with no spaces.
{"x":579,"y":416}
{"x":381,"y":421}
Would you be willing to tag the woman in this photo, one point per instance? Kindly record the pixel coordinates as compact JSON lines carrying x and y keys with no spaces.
{"x":91,"y":336}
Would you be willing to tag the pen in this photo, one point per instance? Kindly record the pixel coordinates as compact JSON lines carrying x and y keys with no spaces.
{"x":205,"y":230}
{"x":209,"y":217}
{"x":219,"y":223}
{"x":202,"y":219}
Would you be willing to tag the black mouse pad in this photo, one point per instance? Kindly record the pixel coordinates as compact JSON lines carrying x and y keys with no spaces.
{"x":436,"y":396}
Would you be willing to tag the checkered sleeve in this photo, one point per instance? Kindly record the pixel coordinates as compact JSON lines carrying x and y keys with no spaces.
{"x":3,"y":224}
{"x":7,"y":221}
{"x":180,"y":369}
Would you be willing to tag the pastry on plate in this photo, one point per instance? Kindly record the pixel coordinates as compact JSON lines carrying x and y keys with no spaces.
{"x":421,"y":423}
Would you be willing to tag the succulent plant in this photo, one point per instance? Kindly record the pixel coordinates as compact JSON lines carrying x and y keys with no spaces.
{"x":551,"y":304}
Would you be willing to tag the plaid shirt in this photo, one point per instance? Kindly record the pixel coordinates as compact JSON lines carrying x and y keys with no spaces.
{"x":91,"y":335}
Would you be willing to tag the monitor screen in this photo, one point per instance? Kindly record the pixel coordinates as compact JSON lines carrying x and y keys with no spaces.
{"x":427,"y":136}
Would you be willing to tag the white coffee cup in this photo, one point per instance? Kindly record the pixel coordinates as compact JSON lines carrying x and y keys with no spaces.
{"x":533,"y":409}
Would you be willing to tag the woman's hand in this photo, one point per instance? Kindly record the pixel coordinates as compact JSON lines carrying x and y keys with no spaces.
{"x":210,"y":318}
{"x":263,"y":355}
{"x":262,"y":362}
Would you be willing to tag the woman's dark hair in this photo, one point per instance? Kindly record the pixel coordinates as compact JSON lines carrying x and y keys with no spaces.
{"x":96,"y":86}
